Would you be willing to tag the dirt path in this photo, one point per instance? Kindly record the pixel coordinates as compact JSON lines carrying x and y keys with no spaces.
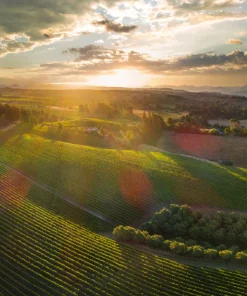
{"x":60,"y":195}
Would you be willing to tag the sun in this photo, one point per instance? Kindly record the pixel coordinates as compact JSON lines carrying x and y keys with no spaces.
{"x":122,"y":78}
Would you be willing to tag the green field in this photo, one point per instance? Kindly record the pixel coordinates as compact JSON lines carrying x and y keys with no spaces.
{"x":44,"y":254}
{"x":123,"y":184}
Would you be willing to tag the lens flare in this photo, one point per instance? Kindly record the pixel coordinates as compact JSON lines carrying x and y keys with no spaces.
{"x":13,"y":188}
{"x":136,"y":188}
{"x":199,"y":145}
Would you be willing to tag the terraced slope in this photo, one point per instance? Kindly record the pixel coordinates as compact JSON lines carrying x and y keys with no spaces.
{"x":43,"y":254}
{"x":120,"y":184}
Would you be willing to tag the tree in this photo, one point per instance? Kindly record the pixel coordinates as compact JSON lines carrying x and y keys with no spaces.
{"x":197,"y":251}
{"x":211,"y":253}
{"x":178,"y":248}
{"x":154,"y":241}
{"x":226,"y":255}
{"x":241,"y":256}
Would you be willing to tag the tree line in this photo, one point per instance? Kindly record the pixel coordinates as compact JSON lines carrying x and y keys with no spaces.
{"x":10,"y":114}
{"x":182,"y":231}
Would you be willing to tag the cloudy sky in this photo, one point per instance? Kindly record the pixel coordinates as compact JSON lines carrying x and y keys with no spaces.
{"x":123,"y":43}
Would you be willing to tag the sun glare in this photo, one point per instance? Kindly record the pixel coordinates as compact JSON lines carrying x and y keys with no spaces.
{"x":122,"y":78}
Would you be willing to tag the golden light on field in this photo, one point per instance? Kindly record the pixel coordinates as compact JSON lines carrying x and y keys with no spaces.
{"x":122,"y":78}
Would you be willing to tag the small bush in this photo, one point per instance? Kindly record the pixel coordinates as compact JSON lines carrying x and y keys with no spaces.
{"x":190,"y":242}
{"x":166,"y":244}
{"x":197,"y":251}
{"x":211,"y":253}
{"x":155,"y":241}
{"x":221,"y":248}
{"x":234,"y":249}
{"x":214,"y":132}
{"x":178,"y":248}
{"x":226,"y":255}
{"x":241,"y":256}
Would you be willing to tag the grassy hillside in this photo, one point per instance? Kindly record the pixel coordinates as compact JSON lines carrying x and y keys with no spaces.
{"x":17,"y":188}
{"x":122,"y":184}
{"x":43,"y":254}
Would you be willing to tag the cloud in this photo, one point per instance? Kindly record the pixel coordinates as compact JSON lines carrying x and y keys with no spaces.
{"x":234,"y":41}
{"x":200,"y":5}
{"x":111,"y":26}
{"x":95,"y":52}
{"x":92,"y":57}
{"x":100,"y":41}
{"x":42,"y":21}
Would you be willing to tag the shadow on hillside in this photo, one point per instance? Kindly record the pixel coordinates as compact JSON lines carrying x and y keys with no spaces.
{"x":60,"y":207}
{"x":18,"y":130}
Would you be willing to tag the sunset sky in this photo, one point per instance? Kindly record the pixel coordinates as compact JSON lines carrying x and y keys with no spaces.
{"x":123,"y":43}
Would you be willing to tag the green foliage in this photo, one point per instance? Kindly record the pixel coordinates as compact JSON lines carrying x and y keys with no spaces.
{"x":166,"y":244}
{"x":221,"y":248}
{"x":122,"y":184}
{"x":44,"y":254}
{"x":210,"y":253}
{"x":178,"y":248}
{"x":154,"y":241}
{"x":197,"y":251}
{"x":226,"y":255}
{"x":130,"y":234}
{"x":214,"y":132}
{"x":241,"y":256}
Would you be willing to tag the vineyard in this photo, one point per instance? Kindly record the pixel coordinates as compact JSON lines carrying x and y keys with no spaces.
{"x":123,"y":184}
{"x":44,"y":254}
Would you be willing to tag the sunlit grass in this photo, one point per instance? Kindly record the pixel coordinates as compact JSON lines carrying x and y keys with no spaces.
{"x":94,"y":176}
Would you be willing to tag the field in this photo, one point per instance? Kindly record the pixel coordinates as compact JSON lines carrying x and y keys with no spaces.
{"x":60,"y":202}
{"x":44,"y":254}
{"x":209,"y":147}
{"x":123,"y":184}
{"x":165,"y":114}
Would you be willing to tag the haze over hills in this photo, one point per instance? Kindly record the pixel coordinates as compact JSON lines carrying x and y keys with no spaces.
{"x":229,"y":90}
{"x":232,"y":90}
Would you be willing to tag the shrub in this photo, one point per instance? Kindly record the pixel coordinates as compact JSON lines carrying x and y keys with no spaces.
{"x":214,"y":132}
{"x":226,"y":255}
{"x":234,"y":249}
{"x":211,"y":253}
{"x":179,"y":239}
{"x":221,"y":248}
{"x":178,"y":248}
{"x":190,"y":242}
{"x":141,"y":236}
{"x":166,"y":244}
{"x":155,"y":241}
{"x":241,"y":256}
{"x":189,"y":250}
{"x":197,"y":251}
{"x":124,"y":233}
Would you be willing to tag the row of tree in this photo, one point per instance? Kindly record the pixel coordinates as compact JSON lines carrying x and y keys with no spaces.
{"x":184,"y":231}
{"x":178,"y":247}
{"x":10,"y":114}
{"x":181,"y":221}
{"x":215,"y":111}
{"x":106,"y":110}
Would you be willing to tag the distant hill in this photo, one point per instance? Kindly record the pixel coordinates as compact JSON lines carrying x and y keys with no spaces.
{"x":123,"y":184}
{"x":232,"y":90}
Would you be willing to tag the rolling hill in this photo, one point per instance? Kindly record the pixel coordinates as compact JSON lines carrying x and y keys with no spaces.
{"x":44,"y":254}
{"x":124,"y":184}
